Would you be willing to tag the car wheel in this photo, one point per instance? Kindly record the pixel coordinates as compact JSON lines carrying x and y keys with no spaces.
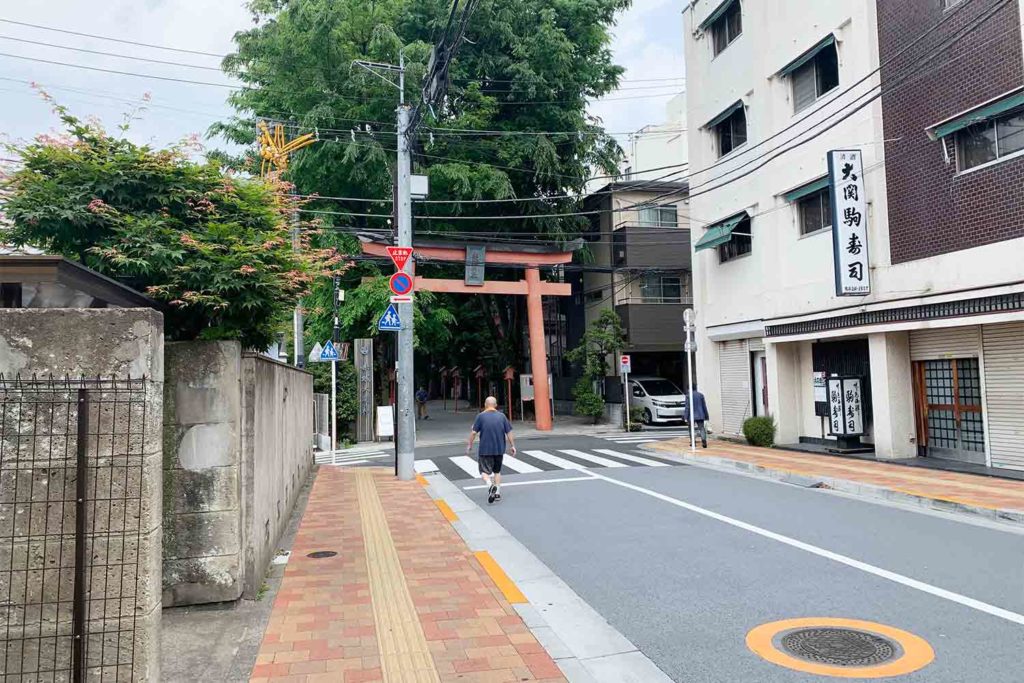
{"x":648,"y":418}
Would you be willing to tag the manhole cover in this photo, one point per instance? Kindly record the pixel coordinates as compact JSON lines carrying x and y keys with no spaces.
{"x":839,"y":647}
{"x":320,"y":554}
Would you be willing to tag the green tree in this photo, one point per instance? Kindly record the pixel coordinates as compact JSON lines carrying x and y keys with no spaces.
{"x":604,"y":337}
{"x":215,"y":248}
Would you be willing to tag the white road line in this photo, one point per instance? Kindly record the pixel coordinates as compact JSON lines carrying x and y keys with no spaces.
{"x":555,"y":460}
{"x":592,"y":458}
{"x":829,"y":555}
{"x":424,"y":466}
{"x":632,"y":458}
{"x":467,"y":464}
{"x":346,"y":463}
{"x":631,"y":441}
{"x":531,"y":483}
{"x":518,"y":465}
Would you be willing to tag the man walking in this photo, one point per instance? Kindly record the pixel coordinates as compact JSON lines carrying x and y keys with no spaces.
{"x":492,"y":427}
{"x":421,"y":404}
{"x":700,"y":415}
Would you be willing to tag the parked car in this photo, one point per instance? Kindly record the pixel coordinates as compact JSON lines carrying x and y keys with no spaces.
{"x":660,"y":399}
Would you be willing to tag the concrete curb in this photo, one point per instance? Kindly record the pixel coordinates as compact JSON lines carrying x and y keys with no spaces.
{"x":581,"y":642}
{"x":848,"y":486}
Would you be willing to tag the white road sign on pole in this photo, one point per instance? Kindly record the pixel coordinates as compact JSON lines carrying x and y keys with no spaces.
{"x":314,"y":353}
{"x":625,"y":365}
{"x":690,"y":346}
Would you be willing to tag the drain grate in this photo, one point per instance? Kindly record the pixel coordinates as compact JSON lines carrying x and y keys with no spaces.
{"x":320,"y":554}
{"x":839,"y":646}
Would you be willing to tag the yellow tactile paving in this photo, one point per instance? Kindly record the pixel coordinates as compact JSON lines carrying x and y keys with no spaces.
{"x":404,"y":654}
{"x":447,"y":511}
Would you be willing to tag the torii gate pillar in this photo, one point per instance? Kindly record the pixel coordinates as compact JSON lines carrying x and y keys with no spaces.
{"x":538,"y":350}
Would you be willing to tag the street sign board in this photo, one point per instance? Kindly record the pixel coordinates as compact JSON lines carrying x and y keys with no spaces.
{"x":329,"y":353}
{"x":401,"y":283}
{"x":689,"y":346}
{"x":625,"y":365}
{"x":314,"y":353}
{"x":400,"y":256}
{"x":476,"y":257}
{"x":850,"y":221}
{"x":402,"y":299}
{"x":345,"y":348}
{"x":390,"y":322}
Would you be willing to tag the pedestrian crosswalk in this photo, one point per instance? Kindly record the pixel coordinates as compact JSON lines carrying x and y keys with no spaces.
{"x":636,"y":438}
{"x":355,"y":457}
{"x":460,"y":467}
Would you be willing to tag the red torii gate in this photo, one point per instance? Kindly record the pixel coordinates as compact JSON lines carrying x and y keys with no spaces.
{"x":528,"y":255}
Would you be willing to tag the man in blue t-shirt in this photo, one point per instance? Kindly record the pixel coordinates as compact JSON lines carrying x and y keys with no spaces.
{"x":492,"y":427}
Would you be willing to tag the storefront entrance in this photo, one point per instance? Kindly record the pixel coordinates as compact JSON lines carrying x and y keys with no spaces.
{"x":947,"y":400}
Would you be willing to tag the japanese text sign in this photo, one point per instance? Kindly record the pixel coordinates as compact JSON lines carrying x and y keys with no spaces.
{"x":400,"y":256}
{"x":845,"y":406}
{"x":849,"y":223}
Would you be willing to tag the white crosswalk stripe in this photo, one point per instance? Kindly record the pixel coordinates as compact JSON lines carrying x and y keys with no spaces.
{"x":604,"y":462}
{"x":519,"y":466}
{"x":342,"y":458}
{"x":632,"y":458}
{"x":467,"y":464}
{"x":424,"y":466}
{"x":555,"y":460}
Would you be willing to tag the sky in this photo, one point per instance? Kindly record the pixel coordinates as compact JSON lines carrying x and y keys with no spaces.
{"x":647,"y":42}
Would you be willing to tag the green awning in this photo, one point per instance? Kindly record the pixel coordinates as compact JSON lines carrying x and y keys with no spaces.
{"x":719,"y":233}
{"x":714,"y":16}
{"x":804,"y":190}
{"x":725,"y":114}
{"x":806,"y":56}
{"x":990,"y":110}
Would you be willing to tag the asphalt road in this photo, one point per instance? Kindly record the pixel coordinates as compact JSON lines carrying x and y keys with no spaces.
{"x":685,"y":561}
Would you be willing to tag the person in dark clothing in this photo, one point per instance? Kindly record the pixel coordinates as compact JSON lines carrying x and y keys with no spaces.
{"x":493,"y":428}
{"x":421,"y":404}
{"x":700,"y":415}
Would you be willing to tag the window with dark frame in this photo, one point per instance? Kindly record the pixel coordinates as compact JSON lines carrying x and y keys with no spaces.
{"x":727,"y":27}
{"x":732,"y":132}
{"x":815,"y":211}
{"x":661,"y":289}
{"x":659,"y":216}
{"x":738,"y":244}
{"x":989,"y":140}
{"x":815,"y":78}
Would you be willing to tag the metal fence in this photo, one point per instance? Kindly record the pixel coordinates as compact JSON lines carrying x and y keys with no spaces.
{"x":71,"y":511}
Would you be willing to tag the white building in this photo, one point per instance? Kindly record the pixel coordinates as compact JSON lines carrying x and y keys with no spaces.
{"x":659,"y":150}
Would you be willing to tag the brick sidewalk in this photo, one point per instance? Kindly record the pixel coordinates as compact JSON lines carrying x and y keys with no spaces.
{"x":953,"y":487}
{"x":404,"y":599}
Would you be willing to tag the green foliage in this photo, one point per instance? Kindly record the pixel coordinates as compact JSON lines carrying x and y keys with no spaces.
{"x":759,"y":431}
{"x":214,"y":248}
{"x":348,"y":391}
{"x":587,"y":402}
{"x":636,"y":419}
{"x":604,"y":337}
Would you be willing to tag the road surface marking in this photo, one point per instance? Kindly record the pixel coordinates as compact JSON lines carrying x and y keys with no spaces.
{"x":632,"y":458}
{"x":592,"y":458}
{"x":343,"y":464}
{"x":447,"y":511}
{"x":425,"y":465}
{"x":555,"y":460}
{"x":467,"y":464}
{"x":500,"y":578}
{"x":529,"y":483}
{"x":519,"y":466}
{"x":828,"y":554}
{"x":631,"y":441}
{"x":422,"y":480}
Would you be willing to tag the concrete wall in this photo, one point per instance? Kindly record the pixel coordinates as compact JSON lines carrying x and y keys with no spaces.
{"x":110,"y":343}
{"x":202,"y":459}
{"x":238,"y":446}
{"x":277,"y":456}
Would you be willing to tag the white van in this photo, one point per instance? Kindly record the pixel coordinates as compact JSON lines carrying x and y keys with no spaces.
{"x":660,"y":399}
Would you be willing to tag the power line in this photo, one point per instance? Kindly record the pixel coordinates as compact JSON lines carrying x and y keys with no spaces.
{"x":115,"y":40}
{"x":110,"y":54}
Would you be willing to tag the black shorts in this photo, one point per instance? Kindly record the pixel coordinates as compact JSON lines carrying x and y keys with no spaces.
{"x":490,"y":464}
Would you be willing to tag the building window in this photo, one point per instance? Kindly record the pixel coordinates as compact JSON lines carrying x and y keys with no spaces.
{"x":595,"y":297}
{"x":990,"y":140}
{"x":661,"y":289}
{"x":659,"y":216}
{"x":815,"y":211}
{"x":738,"y":244}
{"x":732,"y":132}
{"x":727,"y":27}
{"x":815,"y":78}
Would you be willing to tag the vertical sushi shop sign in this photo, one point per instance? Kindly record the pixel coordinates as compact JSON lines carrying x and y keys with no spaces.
{"x":849,"y":222}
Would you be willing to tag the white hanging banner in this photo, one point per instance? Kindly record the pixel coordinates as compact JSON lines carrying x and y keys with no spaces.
{"x":849,"y":223}
{"x":846,"y":406}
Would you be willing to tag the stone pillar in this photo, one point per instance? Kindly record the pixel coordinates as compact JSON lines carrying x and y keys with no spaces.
{"x":784,"y":390}
{"x":892,"y":395}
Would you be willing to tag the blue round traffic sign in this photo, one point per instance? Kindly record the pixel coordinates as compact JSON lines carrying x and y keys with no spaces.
{"x":401,"y":283}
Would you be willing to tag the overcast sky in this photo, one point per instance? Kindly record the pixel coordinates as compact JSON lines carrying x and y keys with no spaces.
{"x":648,"y":42}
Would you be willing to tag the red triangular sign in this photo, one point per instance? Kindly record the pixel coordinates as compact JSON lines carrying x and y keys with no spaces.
{"x":400,"y":255}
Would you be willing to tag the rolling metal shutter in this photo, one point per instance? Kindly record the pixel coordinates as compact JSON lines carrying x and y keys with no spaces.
{"x":1004,"y":393}
{"x":734,"y":369}
{"x":948,"y":342}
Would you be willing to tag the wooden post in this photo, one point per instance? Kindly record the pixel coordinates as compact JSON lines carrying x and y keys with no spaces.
{"x":538,"y":350}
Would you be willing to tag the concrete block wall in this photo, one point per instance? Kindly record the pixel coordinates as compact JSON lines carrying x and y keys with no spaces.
{"x":125,"y":467}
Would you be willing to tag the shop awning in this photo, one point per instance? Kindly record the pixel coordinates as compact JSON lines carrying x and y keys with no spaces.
{"x":719,"y":233}
{"x":714,"y":16}
{"x":806,"y":56}
{"x":804,"y":190}
{"x":989,"y":110}
{"x":725,"y":114}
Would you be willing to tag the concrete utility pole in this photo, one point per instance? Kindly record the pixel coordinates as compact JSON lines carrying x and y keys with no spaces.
{"x":335,"y":338}
{"x":405,"y":376}
{"x":298,"y":321}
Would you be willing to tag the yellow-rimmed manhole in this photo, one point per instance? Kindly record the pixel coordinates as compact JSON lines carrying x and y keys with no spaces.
{"x":844,"y":648}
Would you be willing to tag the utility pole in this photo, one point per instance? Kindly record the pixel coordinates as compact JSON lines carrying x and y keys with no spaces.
{"x":406,"y":418}
{"x":335,"y":338}
{"x":298,"y":321}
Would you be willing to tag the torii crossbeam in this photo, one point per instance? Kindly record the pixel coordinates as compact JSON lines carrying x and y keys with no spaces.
{"x":531,"y":256}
